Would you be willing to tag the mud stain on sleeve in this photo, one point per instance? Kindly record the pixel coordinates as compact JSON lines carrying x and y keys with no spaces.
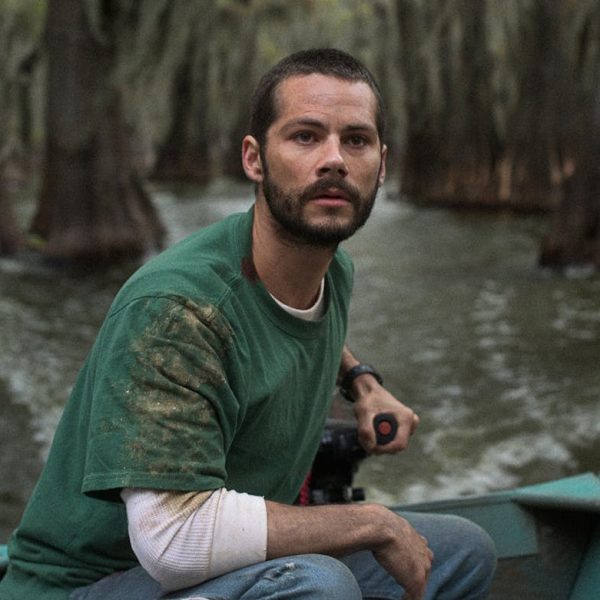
{"x":177,"y":365}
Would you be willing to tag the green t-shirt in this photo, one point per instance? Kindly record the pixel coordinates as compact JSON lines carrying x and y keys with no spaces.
{"x":197,"y":380}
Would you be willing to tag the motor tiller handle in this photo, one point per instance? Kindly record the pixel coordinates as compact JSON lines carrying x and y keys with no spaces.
{"x":386,"y":426}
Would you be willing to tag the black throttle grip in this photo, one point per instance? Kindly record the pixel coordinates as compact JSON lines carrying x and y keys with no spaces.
{"x":386,"y":427}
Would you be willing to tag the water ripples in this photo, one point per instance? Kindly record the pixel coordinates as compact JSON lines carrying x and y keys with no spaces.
{"x":498,"y":358}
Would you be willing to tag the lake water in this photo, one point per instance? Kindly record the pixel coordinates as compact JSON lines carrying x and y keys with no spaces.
{"x":499,"y":358}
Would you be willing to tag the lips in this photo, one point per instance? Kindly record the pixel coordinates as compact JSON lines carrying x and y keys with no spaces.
{"x":332,"y":194}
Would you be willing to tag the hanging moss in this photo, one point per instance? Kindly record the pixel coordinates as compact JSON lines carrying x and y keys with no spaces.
{"x":20,"y":32}
{"x":484,"y":99}
{"x":197,"y":37}
{"x":21,"y":25}
{"x":493,"y":91}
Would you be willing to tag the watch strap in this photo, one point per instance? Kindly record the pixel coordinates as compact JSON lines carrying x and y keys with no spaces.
{"x":346,"y":382}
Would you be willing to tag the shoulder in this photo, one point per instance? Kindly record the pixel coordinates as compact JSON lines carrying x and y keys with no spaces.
{"x":202,"y":268}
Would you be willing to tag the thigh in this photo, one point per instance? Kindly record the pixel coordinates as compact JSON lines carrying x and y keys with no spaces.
{"x":463,"y":565}
{"x":134,"y":584}
{"x":302,"y":577}
{"x":305,"y":577}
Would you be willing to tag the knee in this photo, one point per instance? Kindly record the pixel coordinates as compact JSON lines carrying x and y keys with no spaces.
{"x":324,"y":577}
{"x":479,"y":555}
{"x":481,"y":545}
{"x":464,"y":555}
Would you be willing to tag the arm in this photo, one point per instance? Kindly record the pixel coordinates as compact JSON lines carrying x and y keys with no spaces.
{"x":338,"y":530}
{"x":184,"y":538}
{"x":372,"y":398}
{"x":181,"y":551}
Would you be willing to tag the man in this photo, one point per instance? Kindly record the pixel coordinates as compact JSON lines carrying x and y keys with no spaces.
{"x":200,"y":407}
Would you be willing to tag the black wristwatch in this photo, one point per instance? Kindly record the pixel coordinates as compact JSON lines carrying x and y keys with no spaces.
{"x":346,"y":382}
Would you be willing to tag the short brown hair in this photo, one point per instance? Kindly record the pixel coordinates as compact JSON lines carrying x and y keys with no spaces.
{"x":325,"y":61}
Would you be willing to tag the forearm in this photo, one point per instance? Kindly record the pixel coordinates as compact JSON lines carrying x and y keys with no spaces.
{"x":339,"y":530}
{"x":347,"y":361}
{"x":335,"y":530}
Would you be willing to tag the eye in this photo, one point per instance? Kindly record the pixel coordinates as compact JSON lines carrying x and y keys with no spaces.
{"x":357,"y":141}
{"x":304,"y":137}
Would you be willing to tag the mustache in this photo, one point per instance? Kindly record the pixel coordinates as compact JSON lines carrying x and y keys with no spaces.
{"x":323,"y":185}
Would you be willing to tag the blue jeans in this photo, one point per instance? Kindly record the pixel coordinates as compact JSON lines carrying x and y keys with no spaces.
{"x":464,"y":563}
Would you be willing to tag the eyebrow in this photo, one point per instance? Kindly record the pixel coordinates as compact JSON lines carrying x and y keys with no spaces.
{"x":311,"y":122}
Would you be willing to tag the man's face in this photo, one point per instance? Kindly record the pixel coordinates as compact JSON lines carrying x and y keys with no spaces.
{"x":323,"y":160}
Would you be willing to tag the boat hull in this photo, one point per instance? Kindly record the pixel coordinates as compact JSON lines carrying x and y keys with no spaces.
{"x":547,"y":537}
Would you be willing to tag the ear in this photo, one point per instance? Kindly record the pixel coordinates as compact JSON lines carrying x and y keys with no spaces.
{"x":382,"y":168}
{"x":251,"y":159}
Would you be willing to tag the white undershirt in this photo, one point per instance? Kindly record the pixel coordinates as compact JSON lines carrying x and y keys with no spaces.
{"x":314,"y":313}
{"x":184,"y":538}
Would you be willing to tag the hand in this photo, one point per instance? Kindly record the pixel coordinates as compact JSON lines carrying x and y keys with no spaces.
{"x":373,"y":399}
{"x":341,"y":529}
{"x":405,"y":555}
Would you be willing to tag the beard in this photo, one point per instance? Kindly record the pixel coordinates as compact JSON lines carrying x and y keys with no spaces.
{"x":287,"y":208}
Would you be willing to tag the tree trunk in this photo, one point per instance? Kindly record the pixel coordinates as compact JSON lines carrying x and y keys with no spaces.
{"x":574,"y":236}
{"x":184,"y":156}
{"x":92,"y":207}
{"x":477,"y":103}
{"x":11,"y":238}
{"x":19,"y":39}
{"x":211,"y":91}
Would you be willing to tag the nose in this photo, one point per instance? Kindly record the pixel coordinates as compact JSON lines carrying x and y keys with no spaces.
{"x":332,"y":160}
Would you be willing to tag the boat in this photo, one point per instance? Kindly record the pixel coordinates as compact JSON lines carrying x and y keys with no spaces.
{"x":547,"y":535}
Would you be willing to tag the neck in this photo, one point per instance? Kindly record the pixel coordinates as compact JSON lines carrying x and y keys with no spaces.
{"x":292,"y":272}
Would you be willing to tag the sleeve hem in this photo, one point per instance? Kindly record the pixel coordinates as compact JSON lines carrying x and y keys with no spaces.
{"x":105,"y":486}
